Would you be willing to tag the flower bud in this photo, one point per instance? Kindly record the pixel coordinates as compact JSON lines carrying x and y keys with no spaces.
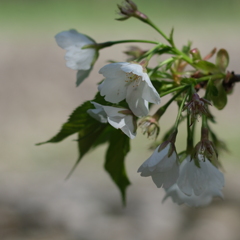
{"x":150,"y":126}
{"x":134,"y":52}
{"x":130,"y":10}
{"x":197,"y":106}
{"x":195,"y":54}
{"x":205,"y":149}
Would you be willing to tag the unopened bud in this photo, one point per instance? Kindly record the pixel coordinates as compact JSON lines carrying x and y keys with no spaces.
{"x":197,"y":106}
{"x":130,"y":10}
{"x":150,"y":127}
{"x":134,"y":52}
{"x":205,"y":149}
{"x":195,"y":54}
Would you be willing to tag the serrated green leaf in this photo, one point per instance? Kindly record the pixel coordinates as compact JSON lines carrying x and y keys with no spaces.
{"x":119,"y":146}
{"x":89,"y":137}
{"x":78,"y":120}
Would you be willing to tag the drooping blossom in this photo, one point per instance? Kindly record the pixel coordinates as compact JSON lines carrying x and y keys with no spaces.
{"x":119,"y":118}
{"x":205,"y":198}
{"x":76,"y":57}
{"x":128,"y":81}
{"x":162,"y":166}
{"x":199,"y":180}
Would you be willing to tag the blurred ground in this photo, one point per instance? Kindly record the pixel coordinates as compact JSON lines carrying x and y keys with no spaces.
{"x":37,"y":94}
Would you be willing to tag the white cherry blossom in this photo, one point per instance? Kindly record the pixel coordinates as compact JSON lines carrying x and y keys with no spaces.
{"x":76,"y":57}
{"x":128,"y":81}
{"x":195,"y":180}
{"x":163,"y":169}
{"x":120,"y":118}
{"x":193,"y":200}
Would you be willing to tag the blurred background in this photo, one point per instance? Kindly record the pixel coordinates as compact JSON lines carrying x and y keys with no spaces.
{"x":38,"y":93}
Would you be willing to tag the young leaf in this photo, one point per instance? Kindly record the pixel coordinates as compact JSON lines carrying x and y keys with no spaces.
{"x":118,"y":148}
{"x":222,"y":60}
{"x":219,"y":100}
{"x":206,"y":66}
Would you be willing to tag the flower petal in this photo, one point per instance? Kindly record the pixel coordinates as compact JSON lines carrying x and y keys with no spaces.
{"x":113,"y":70}
{"x":98,"y":113}
{"x":69,"y":38}
{"x":113,"y":89}
{"x":136,"y":103}
{"x":166,"y":179}
{"x":78,"y":58}
{"x":136,"y":69}
{"x":129,"y":128}
{"x":149,"y":93}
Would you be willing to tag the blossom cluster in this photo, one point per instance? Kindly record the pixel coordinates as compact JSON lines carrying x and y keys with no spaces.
{"x":126,"y":94}
{"x":194,"y":184}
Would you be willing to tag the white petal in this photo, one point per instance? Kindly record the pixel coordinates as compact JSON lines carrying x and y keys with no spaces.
{"x":216,"y":177}
{"x":113,"y":89}
{"x":136,"y":103}
{"x":114,"y":111}
{"x":157,"y":157}
{"x":78,"y":58}
{"x":168,"y":178}
{"x":120,"y":120}
{"x":98,"y":113}
{"x":193,"y":179}
{"x":70,"y":38}
{"x":183,"y":181}
{"x":144,"y":171}
{"x":175,"y":194}
{"x":193,"y":201}
{"x":116,"y":122}
{"x":132,"y":68}
{"x":167,"y":162}
{"x":149,"y":93}
{"x":129,"y":128}
{"x":112,"y":70}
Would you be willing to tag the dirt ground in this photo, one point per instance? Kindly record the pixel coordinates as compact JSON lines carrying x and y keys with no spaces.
{"x":37,"y":95}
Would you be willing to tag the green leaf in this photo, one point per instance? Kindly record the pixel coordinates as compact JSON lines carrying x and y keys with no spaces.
{"x":212,"y":89}
{"x":82,"y":75}
{"x":186,"y":48}
{"x":119,"y":146}
{"x":219,"y":100}
{"x":171,"y":35}
{"x":206,"y":66}
{"x":90,"y":137}
{"x":77,"y":121}
{"x":222,"y":60}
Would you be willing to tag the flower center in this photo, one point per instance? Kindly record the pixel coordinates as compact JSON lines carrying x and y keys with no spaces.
{"x":133,"y":78}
